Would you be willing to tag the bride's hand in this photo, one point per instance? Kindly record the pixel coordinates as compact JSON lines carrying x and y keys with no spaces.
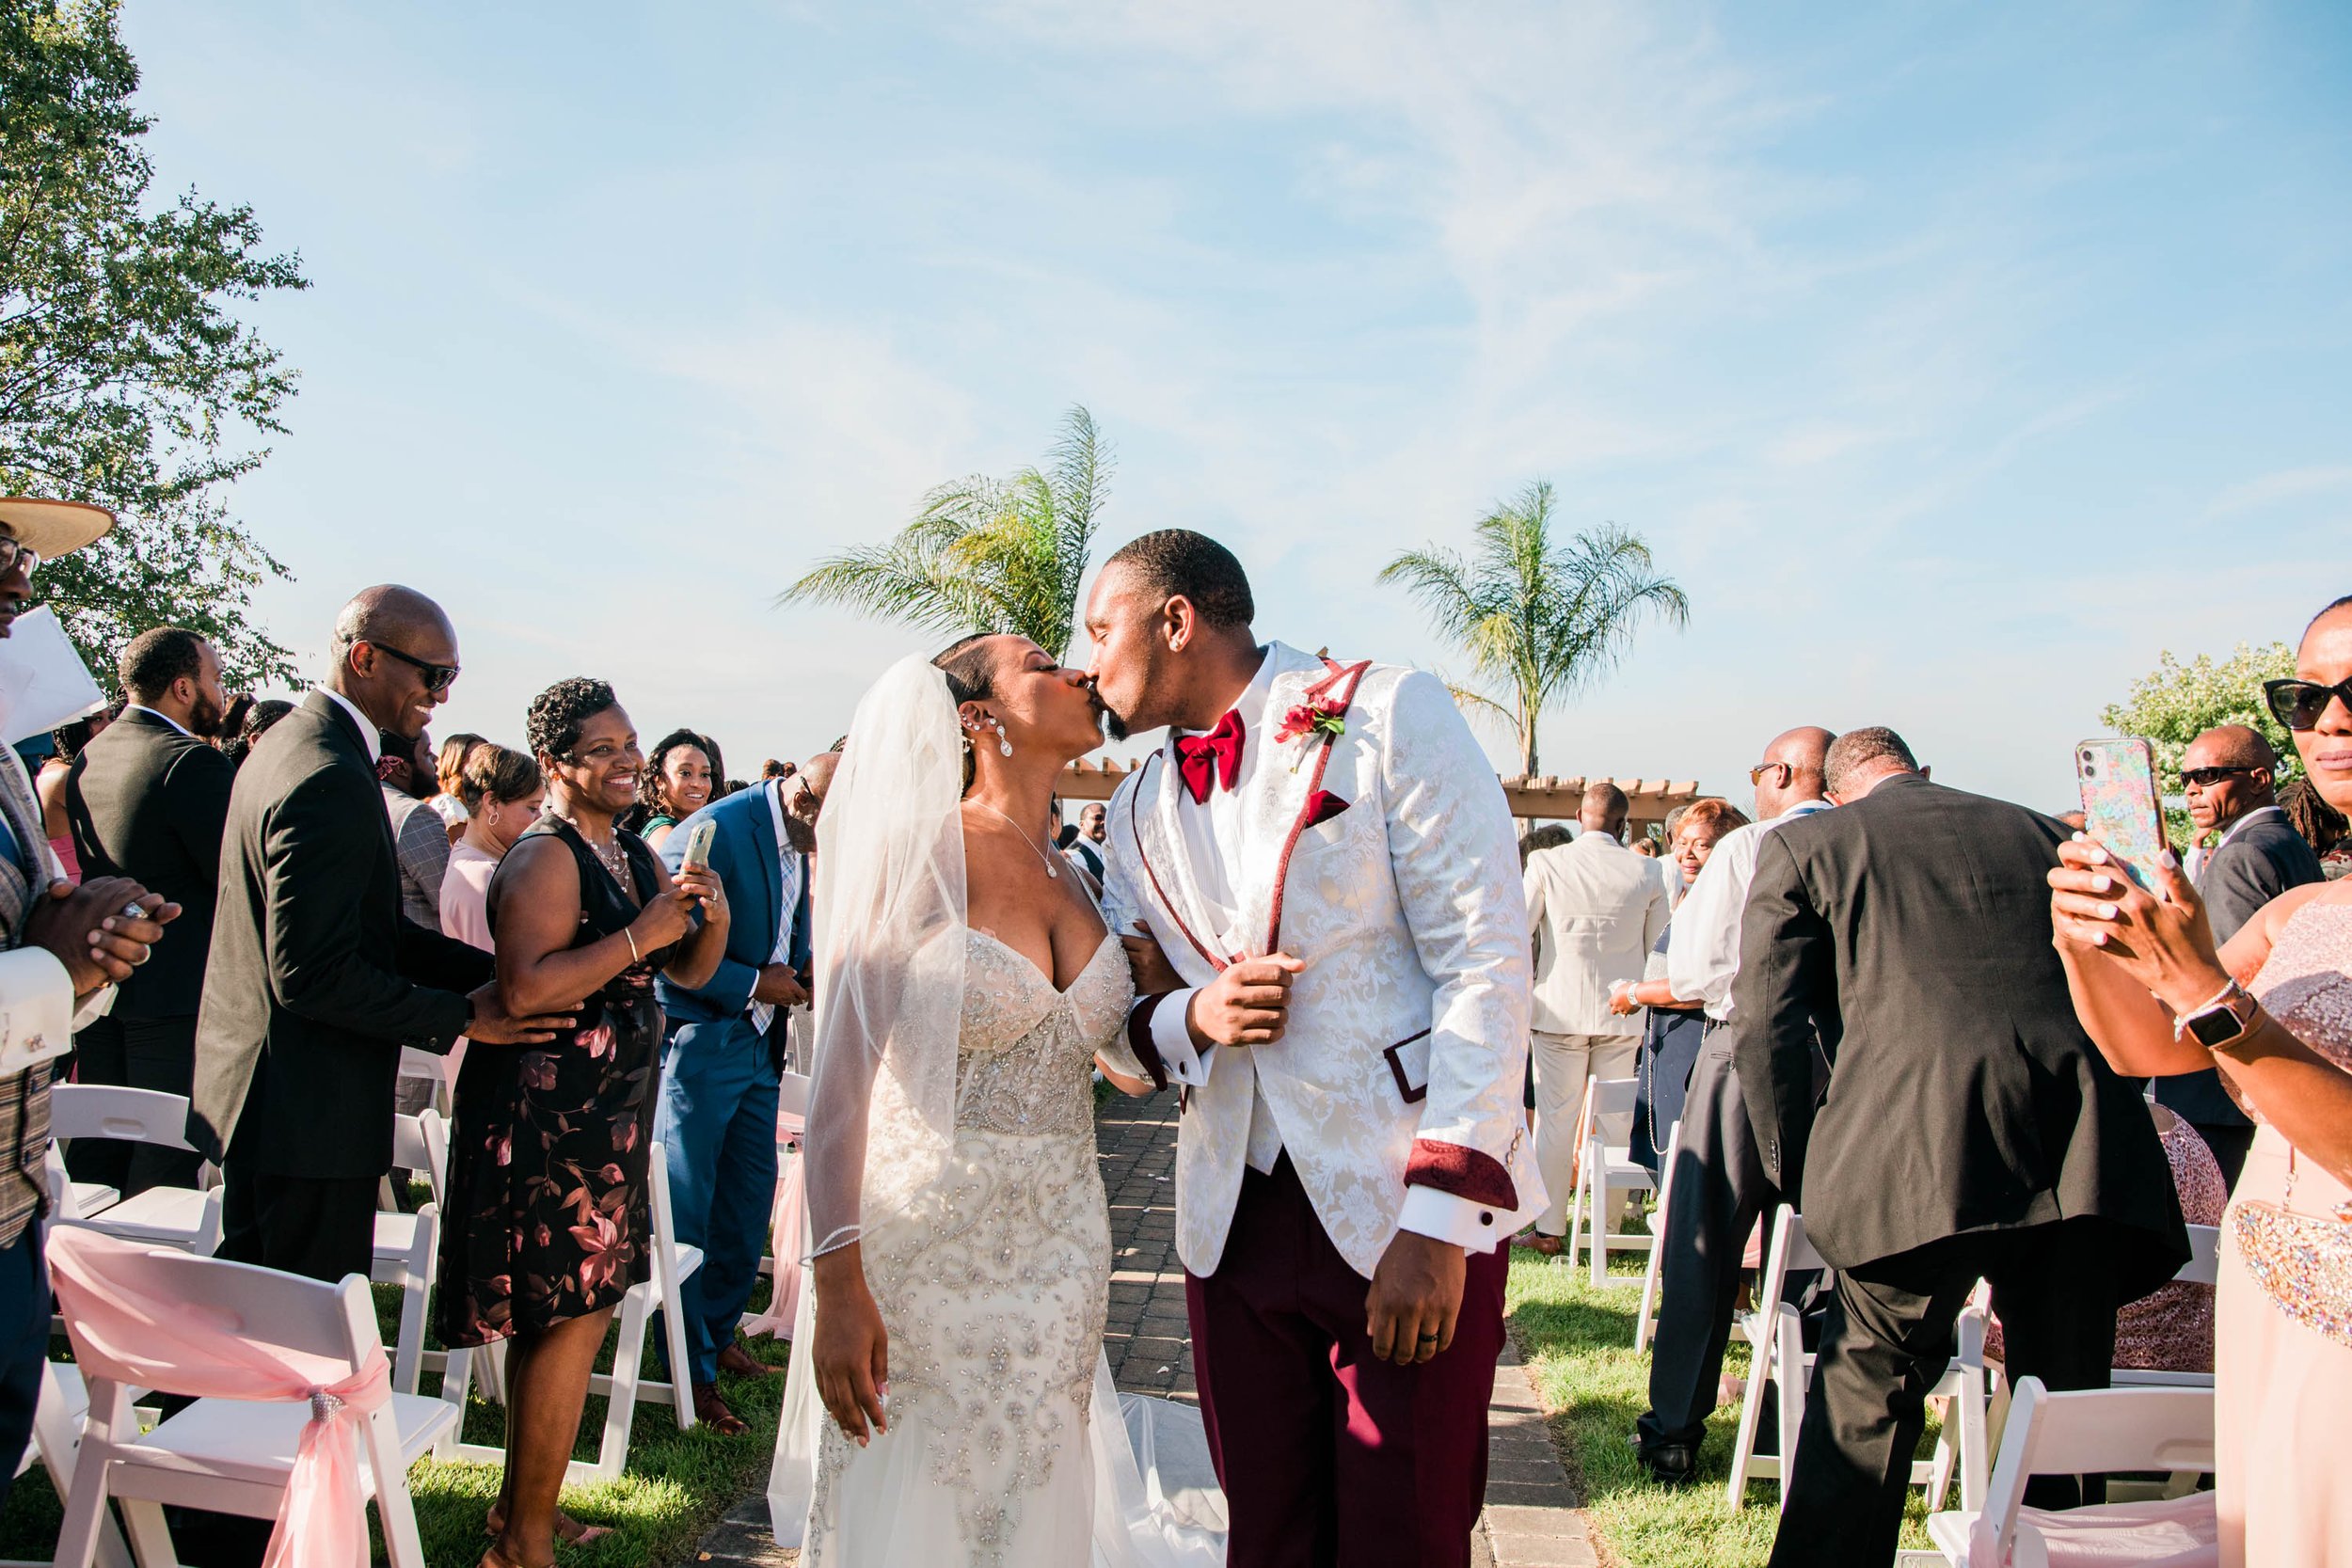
{"x":1155,"y":975}
{"x":849,"y":1347}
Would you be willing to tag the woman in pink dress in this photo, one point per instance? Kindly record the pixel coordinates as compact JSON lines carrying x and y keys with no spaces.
{"x":2273,"y":1011}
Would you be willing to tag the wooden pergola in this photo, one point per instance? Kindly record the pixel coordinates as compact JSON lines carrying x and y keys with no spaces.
{"x":1545,"y":795}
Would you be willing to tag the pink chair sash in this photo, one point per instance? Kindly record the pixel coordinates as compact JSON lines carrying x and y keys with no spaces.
{"x":788,"y":1244}
{"x":151,"y":1342}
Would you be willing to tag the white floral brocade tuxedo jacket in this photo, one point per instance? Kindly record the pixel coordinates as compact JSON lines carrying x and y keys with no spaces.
{"x":1383,"y":857}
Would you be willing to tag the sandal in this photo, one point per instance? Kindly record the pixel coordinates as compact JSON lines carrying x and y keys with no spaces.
{"x":567,"y":1530}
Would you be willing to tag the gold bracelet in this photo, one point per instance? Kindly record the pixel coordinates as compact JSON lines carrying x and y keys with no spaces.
{"x":631,"y":936}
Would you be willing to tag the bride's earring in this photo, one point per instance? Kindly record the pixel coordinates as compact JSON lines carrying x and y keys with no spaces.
{"x":1004,"y":744}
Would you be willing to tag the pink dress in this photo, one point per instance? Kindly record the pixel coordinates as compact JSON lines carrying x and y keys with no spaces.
{"x":2283,"y":1341}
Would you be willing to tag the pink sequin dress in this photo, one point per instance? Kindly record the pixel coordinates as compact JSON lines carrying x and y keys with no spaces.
{"x":2284,"y":1327}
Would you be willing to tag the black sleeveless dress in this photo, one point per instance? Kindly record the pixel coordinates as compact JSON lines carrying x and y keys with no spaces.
{"x":548,"y":1214}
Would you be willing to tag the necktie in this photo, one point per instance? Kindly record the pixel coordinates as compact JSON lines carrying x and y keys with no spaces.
{"x":1211,"y":761}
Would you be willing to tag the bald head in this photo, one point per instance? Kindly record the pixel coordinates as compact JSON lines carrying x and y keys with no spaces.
{"x":395,"y":654}
{"x":1790,"y":771}
{"x":2226,"y":772}
{"x":1603,"y":808}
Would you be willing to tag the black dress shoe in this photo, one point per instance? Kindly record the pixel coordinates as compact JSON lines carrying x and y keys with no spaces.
{"x":1668,"y":1464}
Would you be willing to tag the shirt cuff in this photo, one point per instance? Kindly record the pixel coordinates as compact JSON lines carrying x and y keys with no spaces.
{"x":1443,"y":1217}
{"x":1171,"y":1035}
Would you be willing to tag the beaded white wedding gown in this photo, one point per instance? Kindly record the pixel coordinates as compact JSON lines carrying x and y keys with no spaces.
{"x":1005,"y":1445}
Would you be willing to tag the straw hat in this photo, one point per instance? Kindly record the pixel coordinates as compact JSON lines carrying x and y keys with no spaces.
{"x":53,"y":529}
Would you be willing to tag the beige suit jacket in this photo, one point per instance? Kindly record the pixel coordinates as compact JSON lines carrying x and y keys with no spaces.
{"x":1595,"y":908}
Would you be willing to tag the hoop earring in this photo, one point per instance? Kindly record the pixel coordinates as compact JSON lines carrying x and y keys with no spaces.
{"x":1004,"y":744}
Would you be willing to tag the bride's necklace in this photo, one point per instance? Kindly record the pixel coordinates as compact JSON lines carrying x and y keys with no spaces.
{"x":1050,"y":870}
{"x":613,"y":858}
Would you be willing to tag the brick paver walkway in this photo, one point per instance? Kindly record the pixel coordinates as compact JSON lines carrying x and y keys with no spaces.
{"x":1531,"y":1520}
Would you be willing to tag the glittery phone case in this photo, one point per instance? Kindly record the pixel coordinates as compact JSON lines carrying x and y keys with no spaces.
{"x":2121,"y":806}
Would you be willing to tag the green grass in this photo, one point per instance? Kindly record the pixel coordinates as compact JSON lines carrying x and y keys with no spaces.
{"x":1577,"y":1341}
{"x":676,"y":1487}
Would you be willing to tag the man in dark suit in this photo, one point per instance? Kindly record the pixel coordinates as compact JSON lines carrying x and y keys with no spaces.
{"x":2230,"y":776}
{"x":1970,"y":1129}
{"x":316,"y":980}
{"x":146,"y":798}
{"x":723,"y":1064}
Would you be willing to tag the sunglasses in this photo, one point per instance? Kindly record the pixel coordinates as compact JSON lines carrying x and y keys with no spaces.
{"x":13,"y":554}
{"x":1756,"y":774}
{"x":2206,"y":778}
{"x":438,"y":677}
{"x":2297,"y":704}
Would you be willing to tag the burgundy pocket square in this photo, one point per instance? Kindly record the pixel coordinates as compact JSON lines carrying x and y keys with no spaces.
{"x":1321,"y":806}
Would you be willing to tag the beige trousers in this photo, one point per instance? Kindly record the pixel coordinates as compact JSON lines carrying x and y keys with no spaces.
{"x":1562,"y":1062}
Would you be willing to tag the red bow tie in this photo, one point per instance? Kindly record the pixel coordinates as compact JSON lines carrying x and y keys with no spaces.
{"x":1210,"y":761}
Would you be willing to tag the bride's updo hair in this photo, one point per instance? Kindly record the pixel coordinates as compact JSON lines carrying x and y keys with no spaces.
{"x":971,"y":678}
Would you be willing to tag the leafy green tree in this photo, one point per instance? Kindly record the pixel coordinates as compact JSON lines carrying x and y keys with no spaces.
{"x":985,"y":555}
{"x":2176,"y":703}
{"x":125,"y":379}
{"x":1544,"y":616}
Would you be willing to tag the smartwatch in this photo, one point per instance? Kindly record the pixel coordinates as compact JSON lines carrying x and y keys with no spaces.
{"x":2221,"y":1020}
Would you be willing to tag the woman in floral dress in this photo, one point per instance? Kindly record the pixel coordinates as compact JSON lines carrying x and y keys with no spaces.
{"x":549,"y":1222}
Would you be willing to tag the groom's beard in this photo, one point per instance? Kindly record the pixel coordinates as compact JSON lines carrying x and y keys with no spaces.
{"x":799,"y":835}
{"x":1114,"y":727}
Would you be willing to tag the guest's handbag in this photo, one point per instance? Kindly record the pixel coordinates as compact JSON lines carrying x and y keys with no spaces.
{"x":2303,"y":1261}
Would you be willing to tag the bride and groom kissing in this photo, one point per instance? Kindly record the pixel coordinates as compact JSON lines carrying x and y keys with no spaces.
{"x":1310,"y":919}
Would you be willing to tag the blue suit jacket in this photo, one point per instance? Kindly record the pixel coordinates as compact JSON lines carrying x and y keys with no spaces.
{"x":743,"y":854}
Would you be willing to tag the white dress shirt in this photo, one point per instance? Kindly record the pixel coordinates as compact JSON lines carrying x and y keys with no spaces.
{"x":763,"y":1013}
{"x":1703,"y":940}
{"x":367,"y":725}
{"x":2199,"y":854}
{"x":142,"y":708}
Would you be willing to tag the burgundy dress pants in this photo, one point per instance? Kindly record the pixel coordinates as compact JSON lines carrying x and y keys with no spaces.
{"x":1328,"y":1457}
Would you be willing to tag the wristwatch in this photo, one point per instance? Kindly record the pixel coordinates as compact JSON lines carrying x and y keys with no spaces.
{"x":2228,"y":1015}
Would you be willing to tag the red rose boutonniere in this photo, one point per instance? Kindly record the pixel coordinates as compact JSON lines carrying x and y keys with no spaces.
{"x":1325,"y":717}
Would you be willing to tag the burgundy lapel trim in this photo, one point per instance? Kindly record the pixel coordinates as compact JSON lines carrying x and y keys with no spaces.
{"x":1333,"y":677}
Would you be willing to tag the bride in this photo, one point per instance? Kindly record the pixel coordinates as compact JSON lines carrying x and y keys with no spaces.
{"x":961,"y":1239}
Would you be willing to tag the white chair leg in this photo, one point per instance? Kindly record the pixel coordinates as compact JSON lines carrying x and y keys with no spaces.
{"x":408,"y":1355}
{"x":151,"y":1537}
{"x":1788,"y":1363}
{"x":1975,"y":1478}
{"x":681,"y":1369}
{"x":394,"y":1510}
{"x":1599,"y":1189}
{"x":620,"y":1403}
{"x":1750,"y":1415}
{"x":1576,"y":1208}
{"x":85,"y":1505}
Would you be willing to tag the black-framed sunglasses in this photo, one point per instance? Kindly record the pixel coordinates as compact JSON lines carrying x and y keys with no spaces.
{"x":438,"y":677}
{"x":14,"y":552}
{"x":2206,"y":778}
{"x":1756,"y":774}
{"x":2297,"y":704}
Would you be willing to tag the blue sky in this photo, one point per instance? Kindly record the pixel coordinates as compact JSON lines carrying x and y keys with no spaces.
{"x":1955,"y":358}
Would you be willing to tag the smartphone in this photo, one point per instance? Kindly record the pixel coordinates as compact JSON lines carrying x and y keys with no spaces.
{"x":2121,"y":806}
{"x":698,"y":846}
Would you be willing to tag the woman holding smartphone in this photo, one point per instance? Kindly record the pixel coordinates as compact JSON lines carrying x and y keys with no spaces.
{"x":549,"y":1221}
{"x":2273,"y":1011}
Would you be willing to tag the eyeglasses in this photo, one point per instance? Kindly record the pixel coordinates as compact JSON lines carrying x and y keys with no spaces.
{"x":2206,"y":778}
{"x":438,"y":677}
{"x":14,"y":553}
{"x":803,"y":790}
{"x":1756,"y":774}
{"x":2297,"y":704}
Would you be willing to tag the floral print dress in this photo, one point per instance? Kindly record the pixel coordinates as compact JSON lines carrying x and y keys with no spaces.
{"x":547,"y":1214}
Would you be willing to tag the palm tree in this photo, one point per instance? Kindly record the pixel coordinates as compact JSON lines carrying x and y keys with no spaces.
{"x":984,"y":555}
{"x":1544,"y":618}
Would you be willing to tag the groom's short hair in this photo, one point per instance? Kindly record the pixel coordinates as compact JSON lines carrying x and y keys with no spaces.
{"x":1176,"y":562}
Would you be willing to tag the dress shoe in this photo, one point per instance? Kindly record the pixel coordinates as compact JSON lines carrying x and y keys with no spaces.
{"x":742,"y":1363}
{"x":1668,"y":1464}
{"x":712,"y":1412}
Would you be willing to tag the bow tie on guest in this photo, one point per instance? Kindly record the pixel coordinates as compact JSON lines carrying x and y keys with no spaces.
{"x":1210,"y":761}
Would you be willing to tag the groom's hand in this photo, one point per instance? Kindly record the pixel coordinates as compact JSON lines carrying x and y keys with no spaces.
{"x":1416,"y":1298}
{"x":1248,"y":1003}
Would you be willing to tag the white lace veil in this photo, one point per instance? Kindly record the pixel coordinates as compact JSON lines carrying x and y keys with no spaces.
{"x":890,"y":951}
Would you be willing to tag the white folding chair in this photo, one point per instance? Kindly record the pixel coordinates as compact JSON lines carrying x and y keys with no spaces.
{"x":70,"y":1199}
{"x":234,"y":1456}
{"x":2090,"y":1432}
{"x":625,"y":1387}
{"x":1605,"y":1172}
{"x":406,"y":1254}
{"x":1773,"y":1327}
{"x":187,"y":1218}
{"x":426,"y":1066}
{"x":57,"y":1433}
{"x":2203,"y":1268}
{"x":1646,"y":1316}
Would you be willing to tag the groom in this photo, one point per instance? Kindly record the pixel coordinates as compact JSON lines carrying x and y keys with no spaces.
{"x":1321,"y":853}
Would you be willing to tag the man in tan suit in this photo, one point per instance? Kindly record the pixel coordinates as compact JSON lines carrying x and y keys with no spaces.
{"x":1595,"y":908}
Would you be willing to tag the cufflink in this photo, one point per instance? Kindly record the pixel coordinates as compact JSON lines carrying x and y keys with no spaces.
{"x":1485,"y":1218}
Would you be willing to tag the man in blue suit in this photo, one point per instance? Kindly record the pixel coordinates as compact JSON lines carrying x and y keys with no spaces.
{"x":722,"y":1065}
